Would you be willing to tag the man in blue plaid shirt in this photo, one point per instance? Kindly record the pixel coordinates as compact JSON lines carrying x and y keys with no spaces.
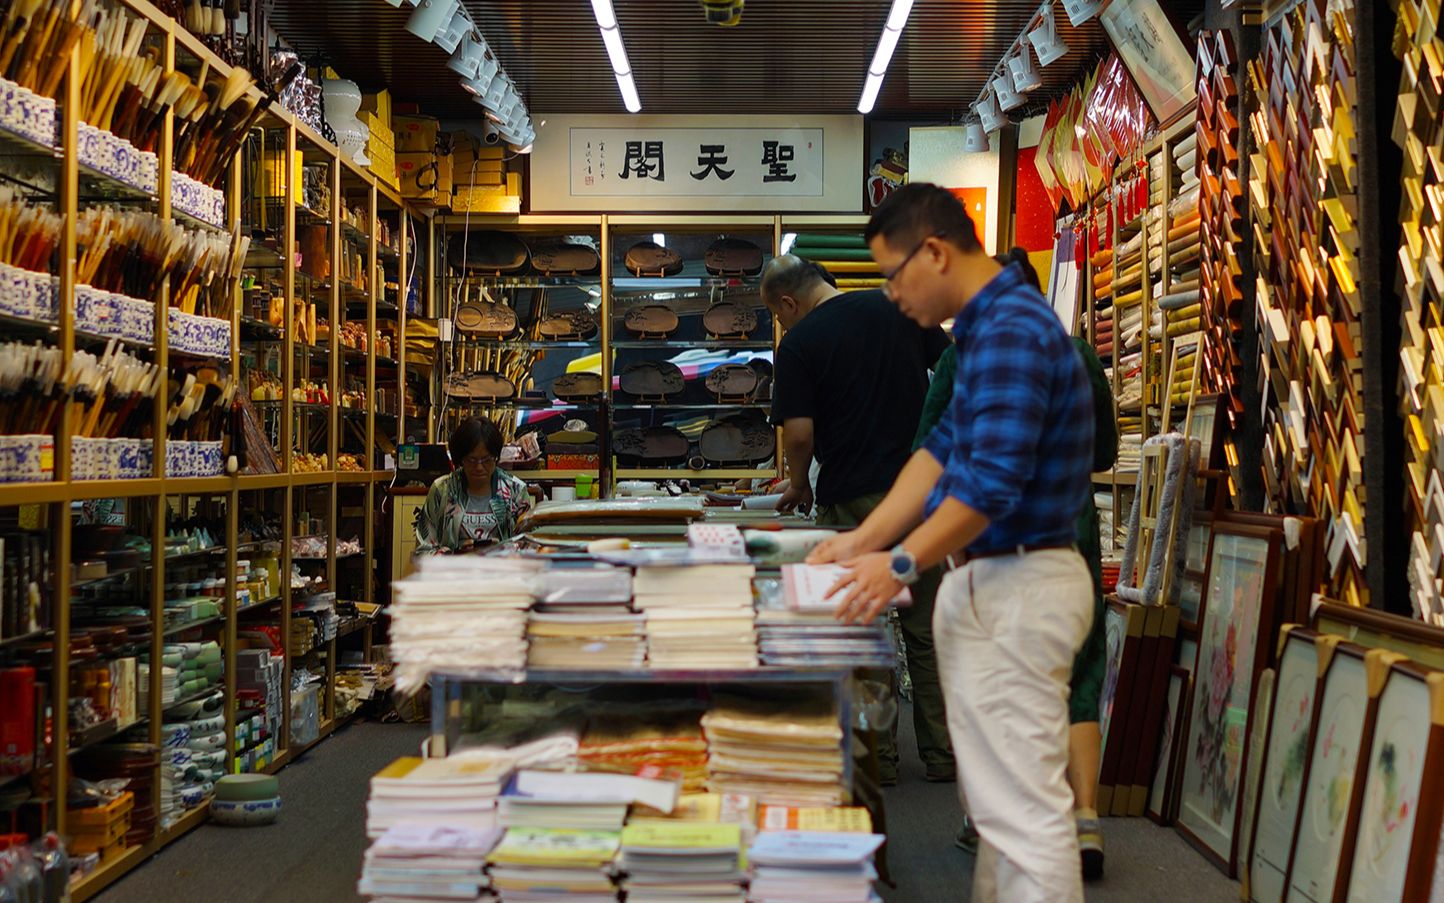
{"x":1000,"y":482}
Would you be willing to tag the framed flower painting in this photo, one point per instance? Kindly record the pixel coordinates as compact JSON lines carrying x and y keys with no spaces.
{"x":1241,"y":585}
{"x":1397,"y":839}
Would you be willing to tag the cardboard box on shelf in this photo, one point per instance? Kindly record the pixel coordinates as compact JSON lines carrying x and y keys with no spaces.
{"x":444,"y":180}
{"x":420,"y":175}
{"x":415,"y":134}
{"x":273,"y":185}
{"x":383,"y":164}
{"x":467,"y":177}
{"x":378,"y":104}
{"x":485,"y":199}
{"x":513,"y":183}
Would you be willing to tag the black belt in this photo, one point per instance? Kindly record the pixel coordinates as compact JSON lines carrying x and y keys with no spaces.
{"x":1022,"y":549}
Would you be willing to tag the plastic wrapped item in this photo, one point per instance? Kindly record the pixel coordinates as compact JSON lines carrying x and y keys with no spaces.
{"x":1168,"y":544}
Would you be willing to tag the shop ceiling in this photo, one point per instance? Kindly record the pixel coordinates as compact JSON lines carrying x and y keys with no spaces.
{"x":787,"y":56}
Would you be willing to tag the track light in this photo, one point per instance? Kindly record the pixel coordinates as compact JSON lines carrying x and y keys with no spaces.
{"x":466,"y":61}
{"x":1045,"y":38}
{"x":1020,"y":65}
{"x":1080,"y":11}
{"x":459,"y":27}
{"x":430,"y":17}
{"x":1008,"y":99}
{"x":988,"y":113}
{"x":975,"y":140}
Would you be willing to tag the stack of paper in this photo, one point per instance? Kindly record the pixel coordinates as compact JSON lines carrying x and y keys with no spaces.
{"x":602,"y":639}
{"x":631,"y":745}
{"x":563,"y":588}
{"x":459,"y":791}
{"x":698,"y":616}
{"x":582,"y":799}
{"x":813,"y":867}
{"x":534,"y":865}
{"x":460,"y":613}
{"x":676,"y":860}
{"x":428,"y":862}
{"x":781,"y":755}
{"x":456,"y":792}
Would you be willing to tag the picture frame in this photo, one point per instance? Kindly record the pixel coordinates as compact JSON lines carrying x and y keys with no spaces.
{"x":1187,"y":654}
{"x":1202,"y":424}
{"x":1163,"y":790}
{"x":1190,"y":589}
{"x":1400,"y":799}
{"x":1304,"y":657}
{"x":1124,"y":625}
{"x":1238,"y":615}
{"x":1421,"y":642}
{"x":1347,"y":702}
{"x":1262,"y":712}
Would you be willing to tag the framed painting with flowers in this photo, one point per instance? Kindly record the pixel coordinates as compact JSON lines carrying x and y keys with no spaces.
{"x":1345,"y":714}
{"x":1397,"y":816}
{"x":1241,"y":587}
{"x":1304,"y":657}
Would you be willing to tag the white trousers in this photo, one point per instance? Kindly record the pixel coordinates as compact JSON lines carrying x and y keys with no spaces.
{"x":1006,"y":631}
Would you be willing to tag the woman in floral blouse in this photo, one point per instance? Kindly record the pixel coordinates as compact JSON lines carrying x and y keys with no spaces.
{"x":475,"y":505}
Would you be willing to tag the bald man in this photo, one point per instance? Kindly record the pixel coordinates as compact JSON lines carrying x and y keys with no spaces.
{"x":851,"y":376}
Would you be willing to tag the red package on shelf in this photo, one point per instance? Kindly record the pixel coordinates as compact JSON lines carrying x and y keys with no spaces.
{"x":17,"y":720}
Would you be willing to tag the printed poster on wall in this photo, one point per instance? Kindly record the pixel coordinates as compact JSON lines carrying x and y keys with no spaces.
{"x":648,"y":163}
{"x":1155,"y":56}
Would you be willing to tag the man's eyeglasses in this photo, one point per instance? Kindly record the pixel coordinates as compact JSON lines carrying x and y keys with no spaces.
{"x":484,"y":461}
{"x":889,"y":277}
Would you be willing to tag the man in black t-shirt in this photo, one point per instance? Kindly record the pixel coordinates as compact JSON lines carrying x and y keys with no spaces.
{"x":850,"y":378}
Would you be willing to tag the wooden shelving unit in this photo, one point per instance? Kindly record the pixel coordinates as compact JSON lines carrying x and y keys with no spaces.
{"x":47,"y":507}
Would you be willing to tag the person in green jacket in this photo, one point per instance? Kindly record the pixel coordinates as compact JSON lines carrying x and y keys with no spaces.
{"x":1085,"y":738}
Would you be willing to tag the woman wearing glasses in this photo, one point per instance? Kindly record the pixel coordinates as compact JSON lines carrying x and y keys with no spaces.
{"x":477,"y":504}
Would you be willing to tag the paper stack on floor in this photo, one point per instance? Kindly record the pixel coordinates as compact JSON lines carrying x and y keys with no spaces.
{"x":780,"y":755}
{"x":428,"y":862}
{"x":535,"y":865}
{"x":461,"y":613}
{"x":698,"y":616}
{"x":582,"y":799}
{"x":666,"y":861}
{"x":812,"y":867}
{"x":633,"y":744}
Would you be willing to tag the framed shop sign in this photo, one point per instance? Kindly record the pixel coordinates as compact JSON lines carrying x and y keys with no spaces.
{"x":1154,"y":54}
{"x":697,"y":163}
{"x":1240,"y":588}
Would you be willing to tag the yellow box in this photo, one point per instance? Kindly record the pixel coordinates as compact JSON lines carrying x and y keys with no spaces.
{"x":274,"y":183}
{"x":415,"y":134}
{"x":485,"y":200}
{"x":467,"y":177}
{"x":513,"y":183}
{"x":444,"y":180}
{"x":420,"y":176}
{"x":379,"y":130}
{"x":378,"y":104}
{"x":383,"y":165}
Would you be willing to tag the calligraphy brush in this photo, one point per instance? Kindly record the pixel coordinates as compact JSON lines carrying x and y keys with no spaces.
{"x":19,"y":19}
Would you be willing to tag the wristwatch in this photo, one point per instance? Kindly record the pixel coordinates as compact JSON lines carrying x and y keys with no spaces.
{"x":904,"y":566}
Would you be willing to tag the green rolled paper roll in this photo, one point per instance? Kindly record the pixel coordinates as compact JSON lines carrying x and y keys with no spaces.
{"x":826,"y":240}
{"x":823,"y":255}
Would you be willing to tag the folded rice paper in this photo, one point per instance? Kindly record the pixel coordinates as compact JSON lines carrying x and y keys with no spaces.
{"x":647,"y":509}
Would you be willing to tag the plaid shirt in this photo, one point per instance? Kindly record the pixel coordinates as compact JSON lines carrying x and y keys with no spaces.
{"x":1016,"y":443}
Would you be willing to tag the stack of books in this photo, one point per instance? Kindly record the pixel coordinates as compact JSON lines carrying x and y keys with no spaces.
{"x":699,"y":616}
{"x":788,"y":755}
{"x":428,"y":862}
{"x":813,"y":867}
{"x":798,"y":627}
{"x":457,"y":792}
{"x":674,"y":744}
{"x":460,"y":613}
{"x":535,"y":865}
{"x":596,"y":800}
{"x":665,"y":861}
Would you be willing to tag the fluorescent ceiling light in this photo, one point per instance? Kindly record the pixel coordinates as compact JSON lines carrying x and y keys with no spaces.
{"x":629,"y":92}
{"x":883,"y":55}
{"x":897,"y":18}
{"x":788,"y":240}
{"x":659,"y":239}
{"x":616,"y":51}
{"x":606,"y":17}
{"x":869,"y":93}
